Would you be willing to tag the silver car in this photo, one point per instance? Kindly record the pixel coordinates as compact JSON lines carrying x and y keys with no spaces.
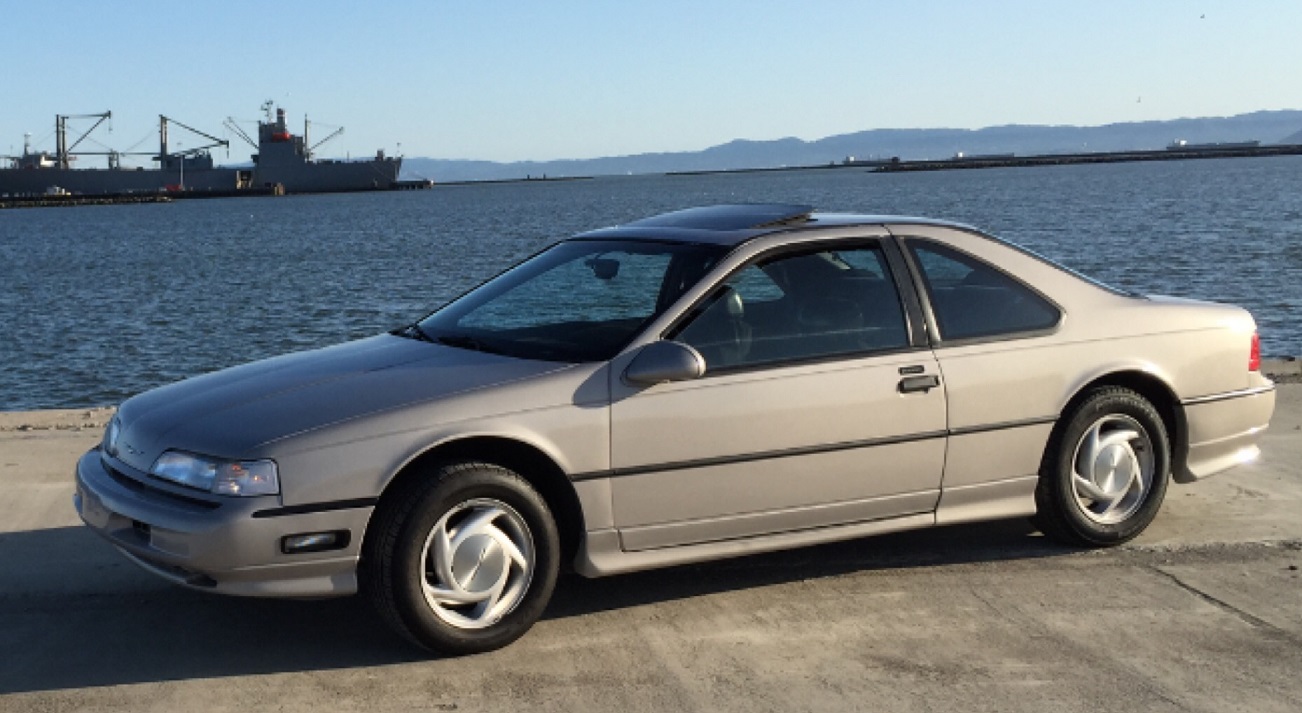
{"x":708,"y":383}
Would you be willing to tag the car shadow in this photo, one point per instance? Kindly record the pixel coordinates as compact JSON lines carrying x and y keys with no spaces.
{"x":959,"y":544}
{"x":75,"y":614}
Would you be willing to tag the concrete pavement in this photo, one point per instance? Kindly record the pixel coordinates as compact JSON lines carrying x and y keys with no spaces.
{"x":1203,"y":613}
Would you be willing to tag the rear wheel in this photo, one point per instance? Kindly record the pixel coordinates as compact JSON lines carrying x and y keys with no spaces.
{"x":465,"y":561}
{"x":1105,"y":472}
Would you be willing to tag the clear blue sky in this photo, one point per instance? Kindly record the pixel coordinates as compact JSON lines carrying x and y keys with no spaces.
{"x":549,"y":79}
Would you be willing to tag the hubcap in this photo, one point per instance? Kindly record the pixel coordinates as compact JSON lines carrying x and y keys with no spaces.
{"x":478,"y":562}
{"x":1112,"y":470}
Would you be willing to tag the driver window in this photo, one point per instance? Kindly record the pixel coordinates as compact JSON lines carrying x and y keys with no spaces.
{"x":799,"y":306}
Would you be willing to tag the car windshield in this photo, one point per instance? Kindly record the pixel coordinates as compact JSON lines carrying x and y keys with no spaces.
{"x":580,"y":300}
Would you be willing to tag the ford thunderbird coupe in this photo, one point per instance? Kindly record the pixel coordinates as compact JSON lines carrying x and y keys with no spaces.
{"x":707,"y":383}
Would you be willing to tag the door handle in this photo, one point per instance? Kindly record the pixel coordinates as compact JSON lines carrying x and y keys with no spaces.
{"x":910,"y":384}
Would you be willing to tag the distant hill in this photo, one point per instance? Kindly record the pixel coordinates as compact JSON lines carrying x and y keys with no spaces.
{"x":1264,"y":126}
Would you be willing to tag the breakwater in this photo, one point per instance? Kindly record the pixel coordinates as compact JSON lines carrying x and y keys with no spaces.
{"x":1015,"y":161}
{"x":1012,"y":160}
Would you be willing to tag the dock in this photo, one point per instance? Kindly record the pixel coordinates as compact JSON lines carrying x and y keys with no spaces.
{"x":414,"y":184}
{"x":58,"y":200}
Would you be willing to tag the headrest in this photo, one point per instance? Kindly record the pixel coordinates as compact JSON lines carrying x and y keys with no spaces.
{"x":732,"y":302}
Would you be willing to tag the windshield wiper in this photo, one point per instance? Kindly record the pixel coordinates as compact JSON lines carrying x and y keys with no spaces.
{"x":412,"y":331}
{"x":462,"y":341}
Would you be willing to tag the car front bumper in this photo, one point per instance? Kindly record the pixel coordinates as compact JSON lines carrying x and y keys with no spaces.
{"x":219,"y":544}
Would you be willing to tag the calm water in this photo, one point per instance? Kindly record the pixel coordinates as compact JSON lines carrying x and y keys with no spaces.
{"x":98,"y":303}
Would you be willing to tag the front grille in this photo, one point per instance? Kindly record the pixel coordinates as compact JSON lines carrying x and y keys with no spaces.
{"x":130,"y":483}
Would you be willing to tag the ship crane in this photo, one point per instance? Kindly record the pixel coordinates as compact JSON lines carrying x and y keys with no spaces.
{"x":234,"y":126}
{"x":162,"y":139}
{"x":62,"y":151}
{"x":311,"y":150}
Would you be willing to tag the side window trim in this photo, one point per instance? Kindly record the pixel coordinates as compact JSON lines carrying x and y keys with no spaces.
{"x":920,"y":290}
{"x":910,"y":244}
{"x":910,"y":291}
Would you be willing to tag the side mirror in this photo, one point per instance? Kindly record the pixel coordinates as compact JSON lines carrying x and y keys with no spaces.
{"x":663,"y":361}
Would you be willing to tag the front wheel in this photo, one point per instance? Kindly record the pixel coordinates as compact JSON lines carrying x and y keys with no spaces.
{"x":463,"y":562}
{"x":1105,"y":472}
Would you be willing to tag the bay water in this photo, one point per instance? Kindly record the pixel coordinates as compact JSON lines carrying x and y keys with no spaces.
{"x":100,"y":302}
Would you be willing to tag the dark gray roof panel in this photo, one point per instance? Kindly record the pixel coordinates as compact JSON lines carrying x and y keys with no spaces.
{"x":728,"y":224}
{"x":728,"y":217}
{"x":674,"y":235}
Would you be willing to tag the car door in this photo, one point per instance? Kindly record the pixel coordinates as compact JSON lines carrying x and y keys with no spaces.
{"x":1003,"y":370}
{"x":818,"y":407}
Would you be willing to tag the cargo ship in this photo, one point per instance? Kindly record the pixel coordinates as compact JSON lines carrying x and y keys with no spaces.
{"x":284,"y":163}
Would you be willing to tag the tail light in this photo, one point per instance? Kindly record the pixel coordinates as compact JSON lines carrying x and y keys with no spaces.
{"x":1254,"y":355}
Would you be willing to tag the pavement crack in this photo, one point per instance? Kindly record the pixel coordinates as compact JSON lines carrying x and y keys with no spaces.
{"x":1244,"y":616}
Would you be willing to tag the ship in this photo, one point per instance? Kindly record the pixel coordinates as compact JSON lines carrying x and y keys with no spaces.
{"x":284,"y":163}
{"x":1182,"y":145}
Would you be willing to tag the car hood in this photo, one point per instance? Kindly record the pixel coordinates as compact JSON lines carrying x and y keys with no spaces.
{"x":231,"y":413}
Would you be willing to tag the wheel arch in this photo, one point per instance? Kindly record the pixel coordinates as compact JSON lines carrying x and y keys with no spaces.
{"x":525,"y":459}
{"x":1157,"y":392}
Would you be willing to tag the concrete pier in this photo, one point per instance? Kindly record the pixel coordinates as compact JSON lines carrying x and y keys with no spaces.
{"x":1202,"y":613}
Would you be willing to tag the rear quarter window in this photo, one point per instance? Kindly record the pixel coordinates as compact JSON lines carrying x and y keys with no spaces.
{"x":972,"y":299}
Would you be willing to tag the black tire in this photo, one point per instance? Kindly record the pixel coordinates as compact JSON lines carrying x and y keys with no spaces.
{"x":501,"y":558}
{"x":1115,"y":437}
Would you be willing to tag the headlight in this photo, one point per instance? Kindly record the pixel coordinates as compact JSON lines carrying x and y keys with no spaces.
{"x":110,"y":443}
{"x":246,"y":477}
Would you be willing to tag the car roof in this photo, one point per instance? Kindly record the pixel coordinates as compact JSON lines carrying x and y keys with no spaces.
{"x":734,"y":223}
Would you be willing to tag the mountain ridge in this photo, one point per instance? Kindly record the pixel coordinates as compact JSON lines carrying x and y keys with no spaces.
{"x":1268,"y":127}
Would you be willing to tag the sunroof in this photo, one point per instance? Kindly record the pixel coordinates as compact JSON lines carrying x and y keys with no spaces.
{"x":740,"y":216}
